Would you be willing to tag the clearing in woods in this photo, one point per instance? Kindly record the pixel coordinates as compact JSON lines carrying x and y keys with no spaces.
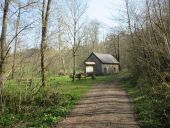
{"x":104,"y":106}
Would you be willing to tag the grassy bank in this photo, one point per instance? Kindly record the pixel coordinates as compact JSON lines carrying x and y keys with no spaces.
{"x":24,"y":106}
{"x":147,"y":107}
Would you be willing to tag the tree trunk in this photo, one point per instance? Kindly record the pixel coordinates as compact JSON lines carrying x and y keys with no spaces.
{"x":64,"y":67}
{"x":74,"y":67}
{"x":74,"y":58}
{"x":45,"y":16}
{"x":118,"y":50}
{"x":129,"y":21}
{"x":61,"y":58}
{"x":74,"y":52}
{"x":16,"y":42}
{"x":3,"y":44}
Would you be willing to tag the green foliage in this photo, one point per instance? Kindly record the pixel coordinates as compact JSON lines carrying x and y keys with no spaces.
{"x":22,"y":107}
{"x":7,"y":119}
{"x":151,"y":104}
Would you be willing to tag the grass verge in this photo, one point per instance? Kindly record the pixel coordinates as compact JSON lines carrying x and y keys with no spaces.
{"x":24,"y":109}
{"x":147,"y":108}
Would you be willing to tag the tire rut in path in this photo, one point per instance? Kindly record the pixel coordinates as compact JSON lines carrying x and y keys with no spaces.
{"x":104,"y":106}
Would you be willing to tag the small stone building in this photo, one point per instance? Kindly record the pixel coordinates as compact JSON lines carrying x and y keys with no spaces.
{"x":104,"y":63}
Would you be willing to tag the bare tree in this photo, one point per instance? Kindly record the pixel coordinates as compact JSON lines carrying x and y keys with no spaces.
{"x":16,"y":40}
{"x":3,"y":50}
{"x":45,"y":18}
{"x":149,"y":34}
{"x":61,"y":32}
{"x":75,"y":27}
{"x":93,"y":33}
{"x":129,"y":20}
{"x":21,"y":8}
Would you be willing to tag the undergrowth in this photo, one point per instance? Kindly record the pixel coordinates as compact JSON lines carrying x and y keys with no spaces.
{"x":27,"y":106}
{"x":151,"y":103}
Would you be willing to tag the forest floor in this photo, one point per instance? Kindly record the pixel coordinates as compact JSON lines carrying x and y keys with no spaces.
{"x":106,"y":105}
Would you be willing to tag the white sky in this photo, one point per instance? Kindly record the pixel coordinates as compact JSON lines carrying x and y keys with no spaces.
{"x":104,"y":11}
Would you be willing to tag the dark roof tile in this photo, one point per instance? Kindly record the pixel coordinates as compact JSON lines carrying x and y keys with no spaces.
{"x":106,"y":58}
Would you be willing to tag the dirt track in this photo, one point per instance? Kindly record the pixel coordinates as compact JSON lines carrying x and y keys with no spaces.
{"x":104,"y":106}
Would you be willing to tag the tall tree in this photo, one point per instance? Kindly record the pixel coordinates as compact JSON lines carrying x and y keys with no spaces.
{"x":61,"y":31}
{"x":21,"y":8}
{"x":93,"y":33}
{"x":3,"y":51}
{"x":45,"y":18}
{"x":75,"y":27}
{"x":16,"y":40}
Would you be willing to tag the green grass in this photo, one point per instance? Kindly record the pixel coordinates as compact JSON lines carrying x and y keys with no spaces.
{"x":145,"y":107}
{"x":50,"y":104}
{"x":24,"y":108}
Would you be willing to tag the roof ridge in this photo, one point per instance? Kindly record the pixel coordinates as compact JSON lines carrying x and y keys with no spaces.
{"x":105,"y":58}
{"x":102,"y":53}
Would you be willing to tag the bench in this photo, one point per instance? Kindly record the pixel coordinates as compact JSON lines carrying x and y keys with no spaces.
{"x":79,"y":76}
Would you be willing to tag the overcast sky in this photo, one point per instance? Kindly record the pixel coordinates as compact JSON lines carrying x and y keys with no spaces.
{"x":104,"y":10}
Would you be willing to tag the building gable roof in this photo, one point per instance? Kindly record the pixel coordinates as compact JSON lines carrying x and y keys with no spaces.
{"x":104,"y":58}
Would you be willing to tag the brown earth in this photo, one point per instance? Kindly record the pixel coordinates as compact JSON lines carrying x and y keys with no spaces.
{"x":104,"y":106}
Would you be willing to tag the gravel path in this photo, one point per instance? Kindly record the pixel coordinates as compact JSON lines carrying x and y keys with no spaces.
{"x":104,"y":106}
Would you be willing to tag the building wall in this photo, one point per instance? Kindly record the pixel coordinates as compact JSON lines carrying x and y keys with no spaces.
{"x":98,"y":66}
{"x":110,"y":68}
{"x":102,"y":69}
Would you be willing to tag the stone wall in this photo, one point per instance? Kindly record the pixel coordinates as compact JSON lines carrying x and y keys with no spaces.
{"x":110,"y":68}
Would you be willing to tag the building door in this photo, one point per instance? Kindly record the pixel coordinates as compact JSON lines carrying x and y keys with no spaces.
{"x":114,"y":70}
{"x":105,"y":70}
